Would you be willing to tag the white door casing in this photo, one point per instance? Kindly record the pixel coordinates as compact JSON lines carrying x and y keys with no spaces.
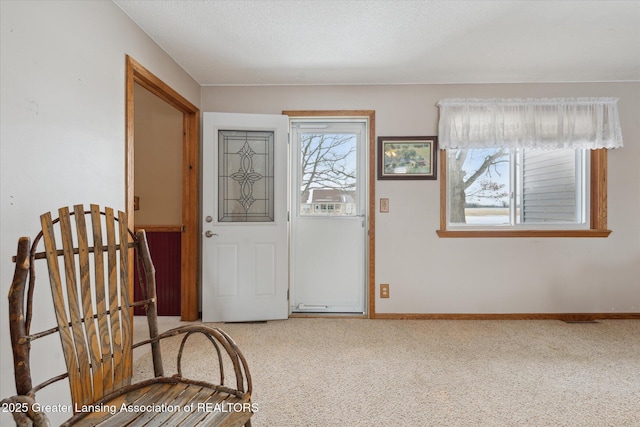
{"x":244,"y":218}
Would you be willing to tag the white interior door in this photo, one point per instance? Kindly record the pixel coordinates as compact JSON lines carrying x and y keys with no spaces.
{"x":244,"y":214}
{"x":328,"y":215}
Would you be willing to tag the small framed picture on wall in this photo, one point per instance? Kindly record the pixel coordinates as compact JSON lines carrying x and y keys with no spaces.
{"x":407,"y":157}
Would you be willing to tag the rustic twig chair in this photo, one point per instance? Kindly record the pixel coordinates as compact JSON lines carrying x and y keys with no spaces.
{"x":90,"y":276}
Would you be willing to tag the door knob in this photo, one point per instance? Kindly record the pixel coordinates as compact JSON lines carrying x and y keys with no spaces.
{"x":209,"y":233}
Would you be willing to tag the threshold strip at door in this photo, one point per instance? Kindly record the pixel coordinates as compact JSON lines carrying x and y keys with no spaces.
{"x":312,"y":307}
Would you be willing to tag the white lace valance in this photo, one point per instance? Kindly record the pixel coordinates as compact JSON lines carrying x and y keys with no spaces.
{"x":547,"y":124}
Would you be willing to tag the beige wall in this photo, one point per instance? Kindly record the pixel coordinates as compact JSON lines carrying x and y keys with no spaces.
{"x":158,"y":160}
{"x":62,"y":71}
{"x":428,"y":274}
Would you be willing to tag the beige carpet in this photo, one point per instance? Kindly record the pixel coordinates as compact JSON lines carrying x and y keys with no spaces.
{"x":350,"y":372}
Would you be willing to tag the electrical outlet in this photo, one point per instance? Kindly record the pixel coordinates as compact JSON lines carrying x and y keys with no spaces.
{"x":384,"y":205}
{"x":384,"y":290}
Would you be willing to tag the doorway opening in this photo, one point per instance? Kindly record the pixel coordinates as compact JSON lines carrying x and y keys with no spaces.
{"x":137,"y":74}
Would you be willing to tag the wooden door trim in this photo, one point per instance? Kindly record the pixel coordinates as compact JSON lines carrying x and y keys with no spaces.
{"x":371,"y":115}
{"x":136,"y":73}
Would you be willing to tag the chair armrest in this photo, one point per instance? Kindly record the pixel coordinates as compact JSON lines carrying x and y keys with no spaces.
{"x":221,"y":341}
{"x":26,"y":411}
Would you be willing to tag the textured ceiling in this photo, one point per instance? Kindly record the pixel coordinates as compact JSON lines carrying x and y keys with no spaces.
{"x":259,"y":42}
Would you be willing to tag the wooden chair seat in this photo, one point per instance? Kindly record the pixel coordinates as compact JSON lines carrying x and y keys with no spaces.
{"x":167,"y":400}
{"x":90,"y":256}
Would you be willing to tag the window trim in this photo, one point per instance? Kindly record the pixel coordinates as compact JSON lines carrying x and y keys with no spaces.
{"x":597,"y":207}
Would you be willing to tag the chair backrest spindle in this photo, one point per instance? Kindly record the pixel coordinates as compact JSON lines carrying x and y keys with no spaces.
{"x":95,"y":333}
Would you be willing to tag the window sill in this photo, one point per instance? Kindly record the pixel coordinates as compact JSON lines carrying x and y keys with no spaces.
{"x":522,"y":233}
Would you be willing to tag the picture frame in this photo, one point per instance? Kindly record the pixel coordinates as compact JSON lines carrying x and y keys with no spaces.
{"x":407,"y":157}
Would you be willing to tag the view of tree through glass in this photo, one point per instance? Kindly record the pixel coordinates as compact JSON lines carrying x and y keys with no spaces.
{"x":478,"y":184}
{"x":328,"y":173}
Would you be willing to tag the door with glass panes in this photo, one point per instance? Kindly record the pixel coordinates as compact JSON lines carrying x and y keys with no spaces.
{"x":244,"y":217}
{"x":328,"y":215}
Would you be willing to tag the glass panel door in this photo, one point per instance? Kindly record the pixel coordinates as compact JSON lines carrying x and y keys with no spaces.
{"x":244,"y":217}
{"x":329,"y":223}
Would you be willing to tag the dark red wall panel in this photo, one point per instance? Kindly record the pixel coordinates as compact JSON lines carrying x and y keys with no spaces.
{"x":165,"y":252}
